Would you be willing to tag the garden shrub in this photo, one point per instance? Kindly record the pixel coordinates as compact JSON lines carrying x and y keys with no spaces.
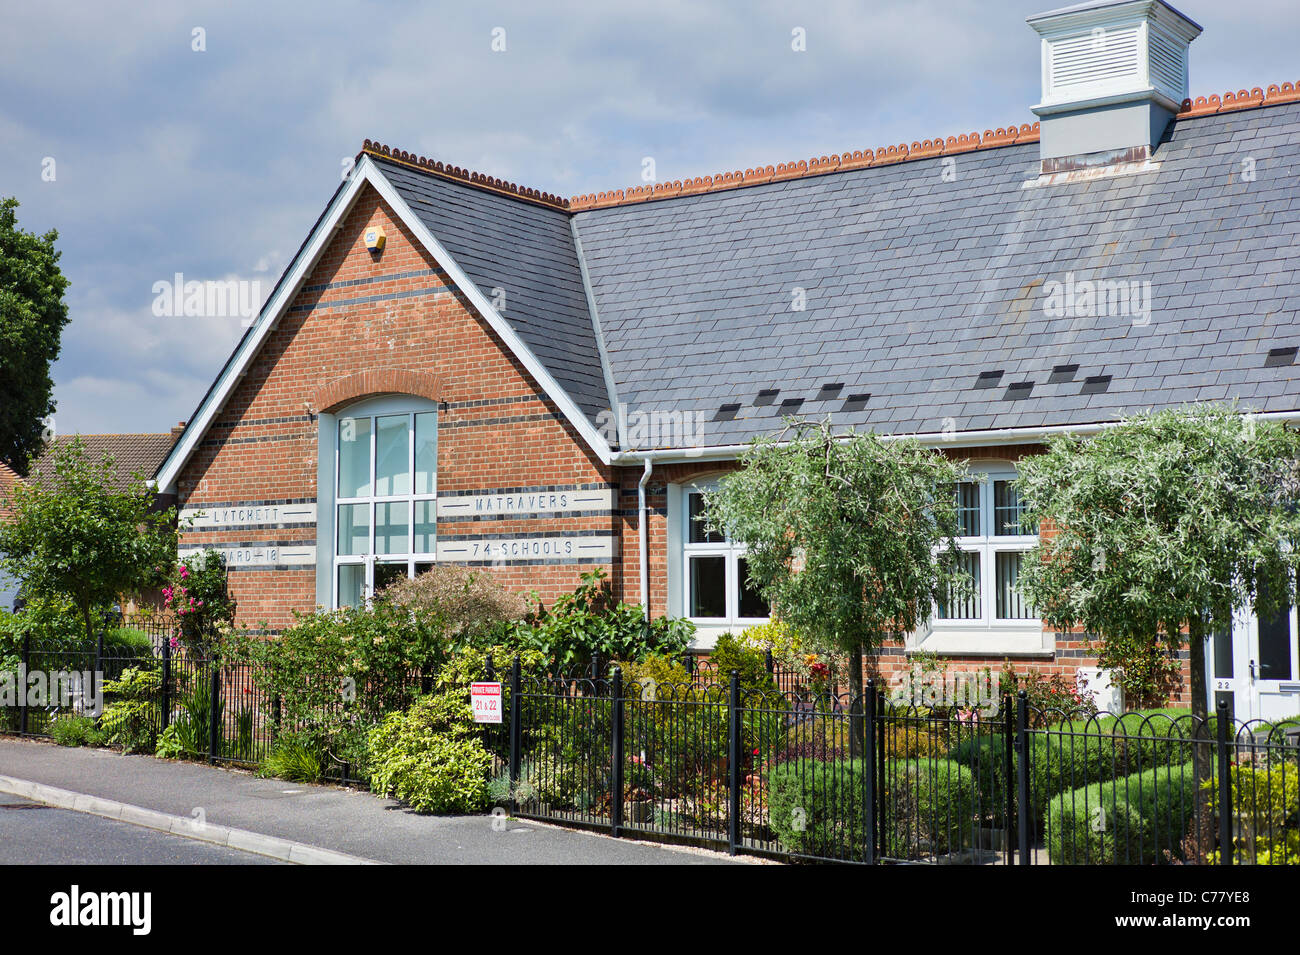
{"x":433,"y":756}
{"x":817,"y":808}
{"x":337,"y":673}
{"x":931,"y":807}
{"x":1074,"y":754}
{"x":589,"y":621}
{"x":429,"y":756}
{"x":75,"y":731}
{"x":1266,"y":799}
{"x":821,"y":737}
{"x":728,"y":654}
{"x":913,"y":739}
{"x":293,"y":759}
{"x":133,"y":718}
{"x":472,"y":605}
{"x":659,"y":677}
{"x":188,"y":731}
{"x":198,"y":594}
{"x":127,"y":642}
{"x":169,"y":745}
{"x":1133,"y":820}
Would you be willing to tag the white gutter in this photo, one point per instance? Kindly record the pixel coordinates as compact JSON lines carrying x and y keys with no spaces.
{"x":645,"y":537}
{"x":964,"y":439}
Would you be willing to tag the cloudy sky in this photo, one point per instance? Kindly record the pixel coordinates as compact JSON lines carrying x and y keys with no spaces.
{"x":214,"y":163}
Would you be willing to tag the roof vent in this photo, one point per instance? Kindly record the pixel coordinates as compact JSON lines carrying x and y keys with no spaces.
{"x":1018,"y":390}
{"x":727,"y":412}
{"x":766,"y":397}
{"x":1114,"y":75}
{"x":829,"y":391}
{"x":1277,"y":357}
{"x":1095,"y":385}
{"x":855,"y":402}
{"x":790,"y":405}
{"x":988,"y":379}
{"x":1062,"y":374}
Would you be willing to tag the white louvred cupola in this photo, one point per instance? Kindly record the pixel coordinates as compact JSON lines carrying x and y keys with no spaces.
{"x":1114,"y":72}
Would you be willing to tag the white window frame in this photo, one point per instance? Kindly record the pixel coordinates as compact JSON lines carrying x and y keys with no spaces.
{"x":370,"y":559}
{"x":728,"y":549}
{"x":988,"y":633}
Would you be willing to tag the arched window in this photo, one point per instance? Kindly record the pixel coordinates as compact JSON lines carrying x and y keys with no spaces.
{"x":382,"y":485}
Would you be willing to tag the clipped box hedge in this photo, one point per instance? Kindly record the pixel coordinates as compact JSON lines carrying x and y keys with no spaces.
{"x":1071,"y":755}
{"x":817,"y":807}
{"x":1139,"y":819}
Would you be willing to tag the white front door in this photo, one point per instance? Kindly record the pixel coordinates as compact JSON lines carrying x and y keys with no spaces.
{"x":1258,"y":670}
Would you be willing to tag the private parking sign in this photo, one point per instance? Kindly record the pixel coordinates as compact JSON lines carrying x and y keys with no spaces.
{"x":485,"y":700}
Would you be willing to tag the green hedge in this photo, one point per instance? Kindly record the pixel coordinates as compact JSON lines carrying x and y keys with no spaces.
{"x":1139,"y":819}
{"x":1072,"y":755}
{"x":817,"y":808}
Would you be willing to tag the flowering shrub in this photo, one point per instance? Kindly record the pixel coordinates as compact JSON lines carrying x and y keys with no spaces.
{"x":197,"y":594}
{"x":1051,"y":698}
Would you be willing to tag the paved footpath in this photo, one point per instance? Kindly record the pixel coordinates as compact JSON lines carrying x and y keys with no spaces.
{"x":354,"y":823}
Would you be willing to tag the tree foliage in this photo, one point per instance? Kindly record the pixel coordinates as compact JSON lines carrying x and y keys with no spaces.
{"x":75,"y":535}
{"x":1175,"y":519}
{"x":32,"y":316}
{"x":850,"y":537}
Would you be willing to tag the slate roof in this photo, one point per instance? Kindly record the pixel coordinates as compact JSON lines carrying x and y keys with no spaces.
{"x":916,"y":286}
{"x":131,"y":454}
{"x":527,"y":250}
{"x":918,"y":289}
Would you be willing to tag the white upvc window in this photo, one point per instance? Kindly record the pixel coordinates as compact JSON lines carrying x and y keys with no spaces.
{"x":385,"y":501}
{"x":992,"y":539}
{"x":716,"y":587}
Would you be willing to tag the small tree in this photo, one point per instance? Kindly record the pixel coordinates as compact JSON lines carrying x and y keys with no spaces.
{"x":1171,"y":520}
{"x":32,"y":316}
{"x":849,"y":537}
{"x":75,"y":535}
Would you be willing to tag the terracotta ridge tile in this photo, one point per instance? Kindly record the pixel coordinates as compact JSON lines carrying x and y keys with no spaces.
{"x":478,"y":179}
{"x":1012,"y":135}
{"x":816,"y":166}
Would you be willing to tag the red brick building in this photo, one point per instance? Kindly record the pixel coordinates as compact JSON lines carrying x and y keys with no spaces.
{"x":456,"y":368}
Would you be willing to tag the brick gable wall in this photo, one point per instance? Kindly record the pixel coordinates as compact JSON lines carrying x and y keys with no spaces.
{"x":364,"y":325}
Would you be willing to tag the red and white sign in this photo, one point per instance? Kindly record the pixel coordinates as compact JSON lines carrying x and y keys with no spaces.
{"x":485,"y":700}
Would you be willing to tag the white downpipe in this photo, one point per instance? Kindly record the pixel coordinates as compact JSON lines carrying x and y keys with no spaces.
{"x":645,"y":537}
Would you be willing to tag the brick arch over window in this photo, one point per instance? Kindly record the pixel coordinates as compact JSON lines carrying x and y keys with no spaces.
{"x":343,"y":391}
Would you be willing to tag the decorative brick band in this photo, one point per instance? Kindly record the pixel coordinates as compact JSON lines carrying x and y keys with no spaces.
{"x":392,"y":381}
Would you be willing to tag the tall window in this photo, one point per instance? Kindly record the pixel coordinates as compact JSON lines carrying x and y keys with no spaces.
{"x":385,"y":501}
{"x":993,"y":537}
{"x":717,"y":579}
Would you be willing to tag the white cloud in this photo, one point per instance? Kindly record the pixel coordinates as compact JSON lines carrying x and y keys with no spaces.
{"x":218,"y":163}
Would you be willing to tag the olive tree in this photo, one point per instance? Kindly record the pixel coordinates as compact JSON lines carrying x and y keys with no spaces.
{"x":1162,"y":528}
{"x":850,"y":537}
{"x":75,"y":535}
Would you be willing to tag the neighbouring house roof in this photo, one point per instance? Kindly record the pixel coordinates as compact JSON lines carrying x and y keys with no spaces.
{"x":9,"y":479}
{"x":131,"y":453}
{"x":925,"y":269}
